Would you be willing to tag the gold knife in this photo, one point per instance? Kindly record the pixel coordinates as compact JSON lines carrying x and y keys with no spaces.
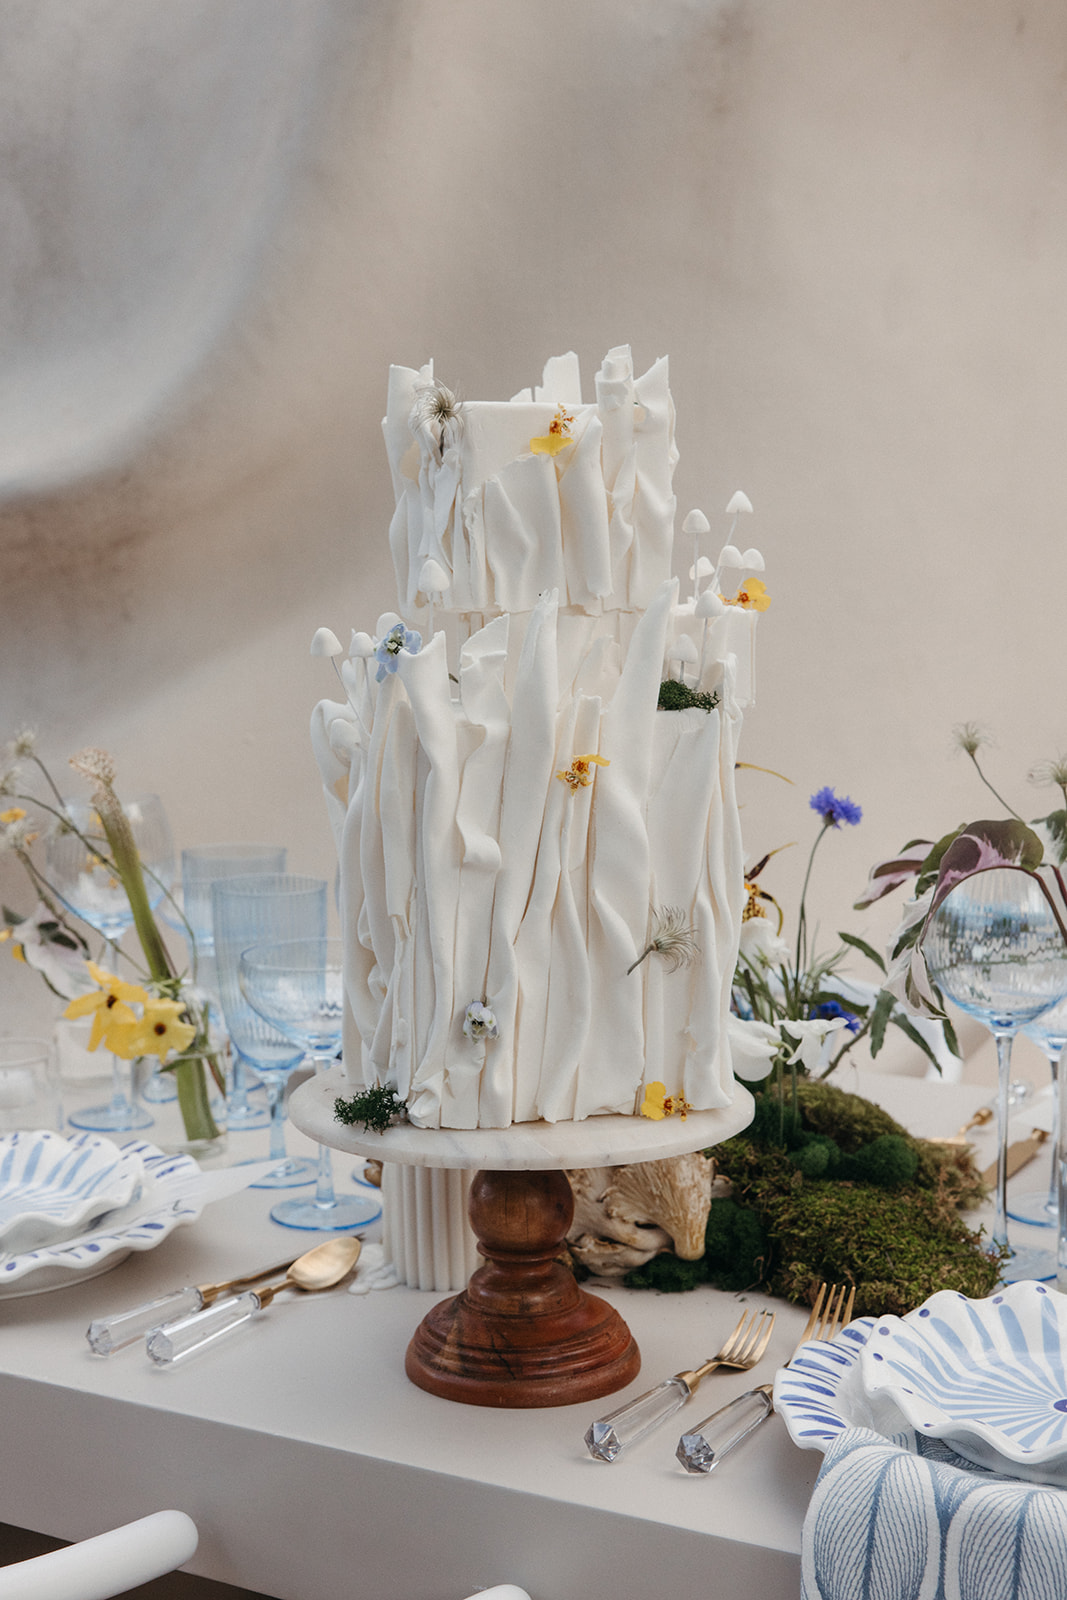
{"x":1019,"y":1153}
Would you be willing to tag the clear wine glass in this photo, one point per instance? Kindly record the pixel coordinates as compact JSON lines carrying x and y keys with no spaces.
{"x":87,"y":886}
{"x":1040,"y":1208}
{"x":995,"y":948}
{"x":203,"y":865}
{"x":297,"y":985}
{"x":249,"y":910}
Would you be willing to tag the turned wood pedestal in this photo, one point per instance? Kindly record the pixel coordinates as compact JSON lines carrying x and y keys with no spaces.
{"x":523,"y":1332}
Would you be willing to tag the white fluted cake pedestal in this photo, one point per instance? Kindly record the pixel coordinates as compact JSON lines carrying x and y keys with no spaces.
{"x":522,"y":1333}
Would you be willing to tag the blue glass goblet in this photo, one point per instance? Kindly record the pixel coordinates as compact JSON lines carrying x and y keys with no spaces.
{"x":297,"y":985}
{"x":250,"y":910}
{"x":1041,"y":1209}
{"x":83,"y":879}
{"x":995,"y":948}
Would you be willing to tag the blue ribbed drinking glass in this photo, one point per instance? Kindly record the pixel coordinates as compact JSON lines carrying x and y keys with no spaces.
{"x":995,"y":948}
{"x":203,"y":865}
{"x":251,"y":910}
{"x":298,"y":986}
{"x":1041,"y":1208}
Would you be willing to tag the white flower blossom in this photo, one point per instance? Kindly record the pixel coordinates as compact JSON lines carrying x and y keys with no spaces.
{"x":753,"y":1047}
{"x":761,"y":946}
{"x":811,"y":1035}
{"x":479,"y":1022}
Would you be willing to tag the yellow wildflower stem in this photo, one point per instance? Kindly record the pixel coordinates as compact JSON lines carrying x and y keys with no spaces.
{"x":189,"y":1079}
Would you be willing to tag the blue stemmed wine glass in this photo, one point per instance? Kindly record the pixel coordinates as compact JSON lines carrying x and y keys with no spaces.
{"x":249,"y":910}
{"x":1041,"y":1209}
{"x":297,"y":985}
{"x":994,"y":946}
{"x":86,"y":884}
{"x":202,"y":866}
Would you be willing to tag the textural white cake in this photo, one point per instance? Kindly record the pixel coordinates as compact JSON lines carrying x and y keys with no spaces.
{"x":513,"y":813}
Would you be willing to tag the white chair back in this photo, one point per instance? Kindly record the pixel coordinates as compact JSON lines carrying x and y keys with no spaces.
{"x":108,"y":1565}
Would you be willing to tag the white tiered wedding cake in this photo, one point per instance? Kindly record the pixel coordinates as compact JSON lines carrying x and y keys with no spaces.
{"x":516,"y":821}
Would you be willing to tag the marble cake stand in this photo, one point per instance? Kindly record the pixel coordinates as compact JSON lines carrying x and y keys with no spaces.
{"x":522,"y":1333}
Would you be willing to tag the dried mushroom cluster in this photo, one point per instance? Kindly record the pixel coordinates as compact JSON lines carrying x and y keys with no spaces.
{"x":623,"y":1216}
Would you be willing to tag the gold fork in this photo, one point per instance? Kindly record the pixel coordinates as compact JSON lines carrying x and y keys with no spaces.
{"x":720,"y":1433}
{"x":607,"y":1438}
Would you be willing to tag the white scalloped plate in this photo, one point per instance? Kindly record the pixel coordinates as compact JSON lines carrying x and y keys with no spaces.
{"x":52,"y":1187}
{"x":988,"y":1377}
{"x":142,"y":1224}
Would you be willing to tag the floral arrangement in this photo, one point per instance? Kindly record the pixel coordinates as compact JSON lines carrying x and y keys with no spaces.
{"x":1038,"y":848}
{"x":791,"y":1008}
{"x":156,"y":1016}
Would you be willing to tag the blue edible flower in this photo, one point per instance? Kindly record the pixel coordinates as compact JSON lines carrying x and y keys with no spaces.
{"x":388,"y":648}
{"x":834,"y":810}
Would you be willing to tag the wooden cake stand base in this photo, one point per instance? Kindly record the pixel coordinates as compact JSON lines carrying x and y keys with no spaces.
{"x":522,"y":1333}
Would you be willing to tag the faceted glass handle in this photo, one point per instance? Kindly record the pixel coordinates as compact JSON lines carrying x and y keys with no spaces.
{"x":608,"y":1438}
{"x":704,"y":1448}
{"x":178,"y":1340}
{"x":115,"y":1333}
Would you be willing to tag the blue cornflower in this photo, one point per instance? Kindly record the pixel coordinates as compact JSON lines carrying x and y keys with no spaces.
{"x":834,"y":810}
{"x":390,"y":645}
{"x":833,"y":1008}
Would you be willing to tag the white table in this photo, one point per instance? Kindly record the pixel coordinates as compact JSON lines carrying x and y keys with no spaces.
{"x":313,"y":1468}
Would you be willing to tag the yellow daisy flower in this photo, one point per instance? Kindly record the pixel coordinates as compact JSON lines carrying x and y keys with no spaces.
{"x":558,"y":436}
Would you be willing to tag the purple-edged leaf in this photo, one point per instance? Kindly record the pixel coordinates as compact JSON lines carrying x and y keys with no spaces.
{"x":889,"y":875}
{"x":982,"y":846}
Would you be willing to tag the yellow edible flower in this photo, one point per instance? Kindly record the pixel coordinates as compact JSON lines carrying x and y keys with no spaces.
{"x":752,"y":596}
{"x":12,"y":814}
{"x":578,"y":774}
{"x":159,"y":1032}
{"x":557,"y":437}
{"x":110,"y":1005}
{"x":658,"y":1104}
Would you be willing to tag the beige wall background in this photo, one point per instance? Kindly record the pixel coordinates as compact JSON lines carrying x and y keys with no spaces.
{"x":844,"y":220}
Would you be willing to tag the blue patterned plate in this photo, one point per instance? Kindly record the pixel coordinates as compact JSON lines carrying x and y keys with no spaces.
{"x":987,"y":1376}
{"x":52,"y":1187}
{"x":163,"y":1204}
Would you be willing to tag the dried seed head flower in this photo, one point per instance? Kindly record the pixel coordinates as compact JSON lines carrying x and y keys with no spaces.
{"x":96,"y":765}
{"x":970,"y":737}
{"x":10,"y":780}
{"x":1052,"y":771}
{"x":437,"y":415}
{"x":23,"y":744}
{"x":670,"y":937}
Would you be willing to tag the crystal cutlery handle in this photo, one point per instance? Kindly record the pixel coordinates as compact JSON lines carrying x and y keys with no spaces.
{"x":106,"y":1334}
{"x":704,"y":1448}
{"x":608,"y":1438}
{"x":177,"y":1340}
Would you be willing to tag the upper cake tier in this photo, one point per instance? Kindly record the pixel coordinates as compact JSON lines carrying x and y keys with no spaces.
{"x":507,"y":500}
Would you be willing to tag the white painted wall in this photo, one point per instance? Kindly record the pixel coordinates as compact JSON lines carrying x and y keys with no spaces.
{"x":844,"y":220}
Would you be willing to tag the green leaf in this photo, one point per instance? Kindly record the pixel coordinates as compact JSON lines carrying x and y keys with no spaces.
{"x":900,"y":1021}
{"x":883,"y":1007}
{"x":864,"y":948}
{"x":12,"y":918}
{"x":950,"y":1037}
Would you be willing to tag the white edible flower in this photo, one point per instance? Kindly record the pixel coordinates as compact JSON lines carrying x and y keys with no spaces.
{"x":61,"y":965}
{"x":811,"y":1035}
{"x":479,"y":1022}
{"x":753,"y":1047}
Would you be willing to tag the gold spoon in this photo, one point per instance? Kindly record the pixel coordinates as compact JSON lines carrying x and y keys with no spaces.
{"x":317,"y":1269}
